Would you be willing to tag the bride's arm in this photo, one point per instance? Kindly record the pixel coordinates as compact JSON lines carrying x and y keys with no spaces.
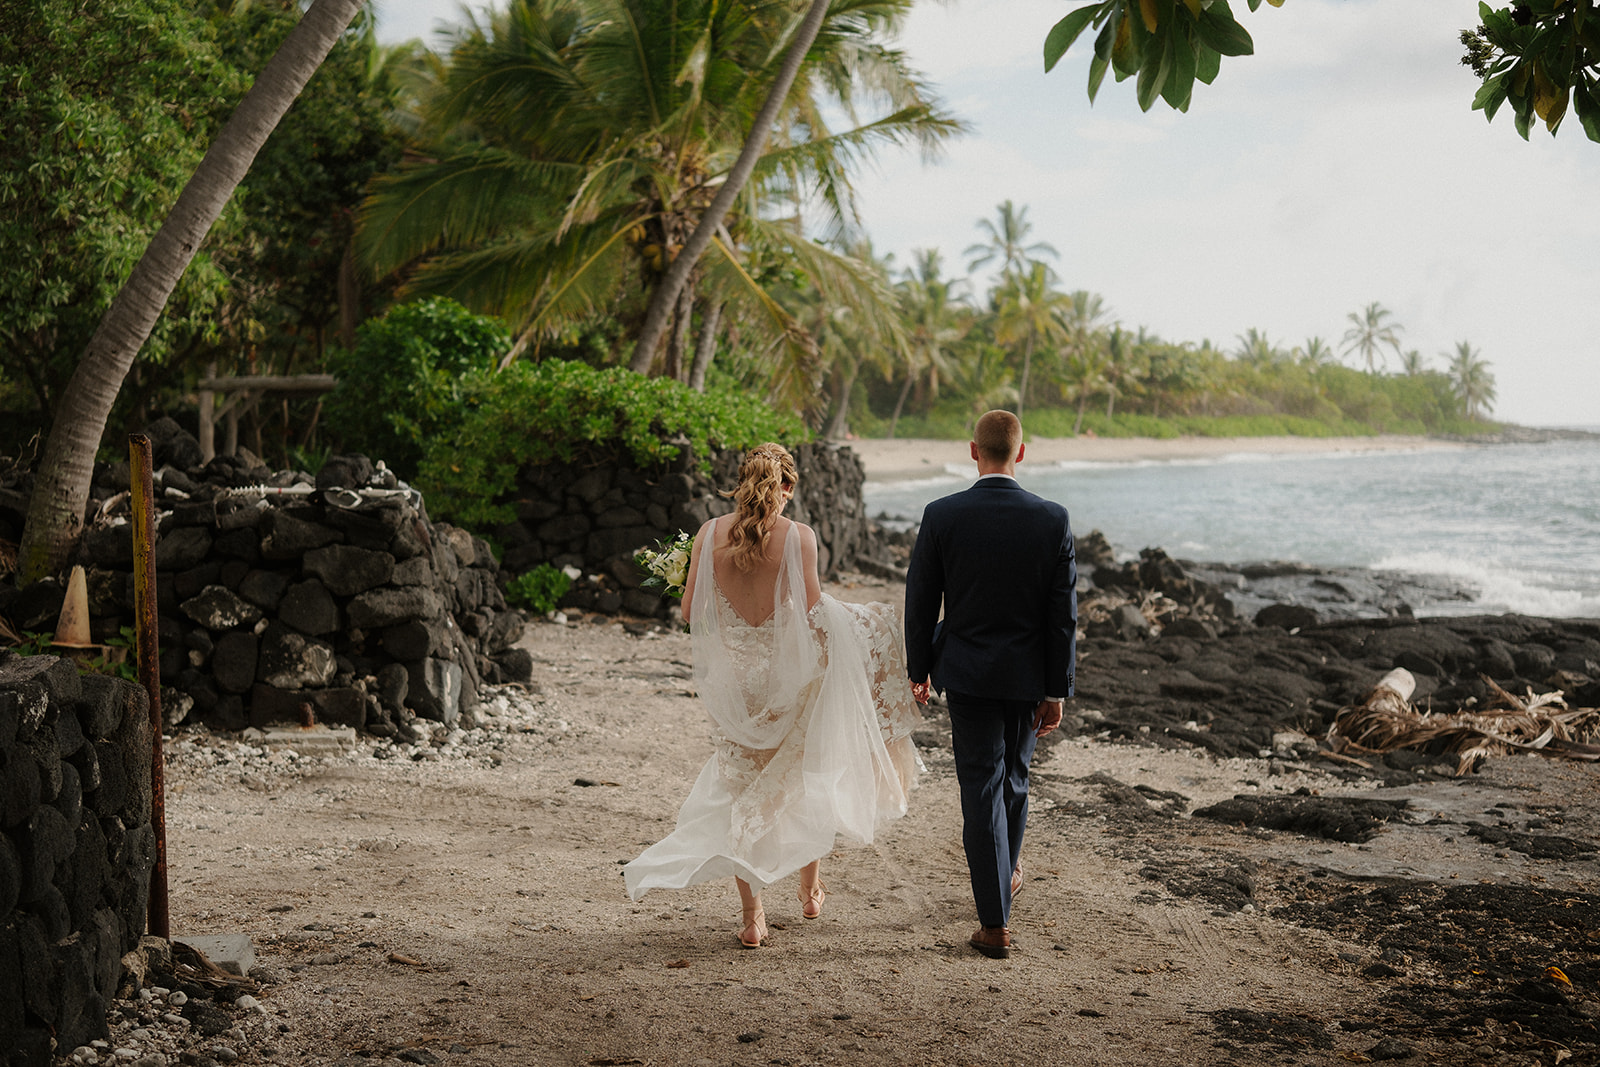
{"x":701,"y":542}
{"x":808,"y":562}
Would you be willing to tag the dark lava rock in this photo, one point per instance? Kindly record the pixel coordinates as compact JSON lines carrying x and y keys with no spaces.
{"x":1286,"y":617}
{"x":172,"y":445}
{"x":1538,"y":846}
{"x":1391,"y":1048}
{"x":347,"y":570}
{"x":217,"y":607}
{"x":310,"y":608}
{"x":388,"y":606}
{"x":1288,"y":1032}
{"x":1335,"y":818}
{"x":1223,"y":880}
{"x":207,"y":1019}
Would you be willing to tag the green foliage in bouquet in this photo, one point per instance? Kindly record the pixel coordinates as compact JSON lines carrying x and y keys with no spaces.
{"x":558,"y":410}
{"x":540,"y":589}
{"x":666,"y":567}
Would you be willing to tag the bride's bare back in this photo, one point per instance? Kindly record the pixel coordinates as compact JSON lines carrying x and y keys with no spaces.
{"x":750,"y":593}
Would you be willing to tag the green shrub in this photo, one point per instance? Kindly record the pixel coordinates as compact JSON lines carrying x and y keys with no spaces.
{"x":540,"y":589}
{"x":404,"y":382}
{"x":558,"y":411}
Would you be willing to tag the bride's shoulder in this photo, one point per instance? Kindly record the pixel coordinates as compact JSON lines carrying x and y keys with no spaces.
{"x":807,"y":535}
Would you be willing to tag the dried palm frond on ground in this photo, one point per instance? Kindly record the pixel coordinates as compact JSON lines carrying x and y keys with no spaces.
{"x":1540,"y":723}
{"x":1098,"y":605}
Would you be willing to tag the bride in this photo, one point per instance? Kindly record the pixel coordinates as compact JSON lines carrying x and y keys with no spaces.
{"x":810,"y":708}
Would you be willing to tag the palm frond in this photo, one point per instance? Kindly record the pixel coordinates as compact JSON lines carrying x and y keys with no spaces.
{"x":1541,"y":723}
{"x":454,"y":202}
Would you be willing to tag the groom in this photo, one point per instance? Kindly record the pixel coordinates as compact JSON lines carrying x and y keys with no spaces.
{"x":1000,"y":561}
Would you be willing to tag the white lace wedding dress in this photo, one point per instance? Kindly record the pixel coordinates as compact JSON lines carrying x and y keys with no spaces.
{"x":811,"y":723}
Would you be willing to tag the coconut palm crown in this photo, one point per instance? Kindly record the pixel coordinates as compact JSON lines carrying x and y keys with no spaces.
{"x":569,"y":147}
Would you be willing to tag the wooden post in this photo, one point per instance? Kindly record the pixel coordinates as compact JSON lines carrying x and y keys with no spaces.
{"x":208,"y":418}
{"x":148,"y":655}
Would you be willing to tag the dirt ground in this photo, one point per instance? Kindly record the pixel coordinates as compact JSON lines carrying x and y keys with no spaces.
{"x":470,"y":908}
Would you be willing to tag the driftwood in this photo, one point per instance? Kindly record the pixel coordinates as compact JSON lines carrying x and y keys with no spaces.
{"x":191,"y":965}
{"x":1540,"y":723}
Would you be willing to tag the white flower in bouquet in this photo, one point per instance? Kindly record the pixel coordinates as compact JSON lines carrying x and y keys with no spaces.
{"x":666,"y":566}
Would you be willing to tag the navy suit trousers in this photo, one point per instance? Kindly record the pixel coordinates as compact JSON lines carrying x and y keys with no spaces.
{"x":993,"y":742}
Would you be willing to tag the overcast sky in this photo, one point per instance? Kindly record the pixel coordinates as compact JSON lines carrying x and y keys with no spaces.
{"x":1342,"y":164}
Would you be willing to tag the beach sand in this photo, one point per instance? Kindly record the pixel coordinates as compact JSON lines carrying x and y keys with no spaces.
{"x":901,"y":459}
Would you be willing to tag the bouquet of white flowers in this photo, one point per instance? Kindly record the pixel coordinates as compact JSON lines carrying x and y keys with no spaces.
{"x":666,"y":566}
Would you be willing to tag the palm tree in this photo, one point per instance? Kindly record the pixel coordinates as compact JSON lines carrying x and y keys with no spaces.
{"x":575,"y":147}
{"x":1317,"y":353}
{"x":1082,"y":377}
{"x":933,"y":324}
{"x":1470,"y":379}
{"x":1369,"y":329}
{"x":980,"y":373}
{"x":1121,"y":367}
{"x":1412,"y":364}
{"x":1028,"y":310}
{"x":850,"y":335}
{"x":61,"y":489}
{"x":1256,"y":350}
{"x":1006,"y":241}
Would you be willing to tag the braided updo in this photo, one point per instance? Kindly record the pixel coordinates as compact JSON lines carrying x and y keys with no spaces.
{"x":767,"y":469}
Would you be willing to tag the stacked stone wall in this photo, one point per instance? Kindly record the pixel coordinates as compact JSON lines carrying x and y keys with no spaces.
{"x":591,"y":517}
{"x":76,"y":849}
{"x":281,"y":595}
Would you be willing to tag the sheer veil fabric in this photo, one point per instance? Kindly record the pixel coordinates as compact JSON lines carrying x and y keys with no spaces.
{"x":811,"y":719}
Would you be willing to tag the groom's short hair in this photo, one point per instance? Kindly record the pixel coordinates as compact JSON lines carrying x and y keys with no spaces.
{"x":997,"y":435}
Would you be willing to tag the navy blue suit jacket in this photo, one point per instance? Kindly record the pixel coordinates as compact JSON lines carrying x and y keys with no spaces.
{"x":1001,"y":562}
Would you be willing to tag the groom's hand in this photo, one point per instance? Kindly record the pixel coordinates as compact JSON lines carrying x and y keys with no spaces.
{"x":1047,"y":718}
{"x":921,"y":691}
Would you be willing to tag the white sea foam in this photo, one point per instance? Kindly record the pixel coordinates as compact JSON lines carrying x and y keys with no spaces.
{"x":1500,"y":588}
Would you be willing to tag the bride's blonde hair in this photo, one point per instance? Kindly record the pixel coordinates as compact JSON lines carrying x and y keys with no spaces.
{"x":766,"y":471}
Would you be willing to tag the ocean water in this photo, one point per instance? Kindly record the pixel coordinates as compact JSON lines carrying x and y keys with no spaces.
{"x":1517,"y":525}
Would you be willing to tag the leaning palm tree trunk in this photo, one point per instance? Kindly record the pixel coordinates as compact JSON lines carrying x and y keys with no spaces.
{"x":665,"y":298}
{"x":62,"y":489}
{"x":706,"y":348}
{"x":1027,"y":363}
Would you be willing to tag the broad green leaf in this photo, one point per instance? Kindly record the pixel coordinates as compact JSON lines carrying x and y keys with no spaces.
{"x":1207,"y":61}
{"x":1180,"y":81}
{"x":1155,"y":66}
{"x":1491,"y":94}
{"x":1523,"y":117}
{"x":1097,"y":74}
{"x":1124,"y":55}
{"x":1587,"y":108}
{"x":1105,"y":40}
{"x":1064,"y":33}
{"x":1221,"y":31}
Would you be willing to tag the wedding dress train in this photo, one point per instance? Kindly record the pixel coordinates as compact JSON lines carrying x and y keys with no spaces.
{"x":812,"y":718}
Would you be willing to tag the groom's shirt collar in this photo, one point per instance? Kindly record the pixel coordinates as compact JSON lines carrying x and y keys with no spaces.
{"x":996,"y":478}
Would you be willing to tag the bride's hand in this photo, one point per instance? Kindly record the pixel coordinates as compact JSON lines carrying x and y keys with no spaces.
{"x":921,"y":692}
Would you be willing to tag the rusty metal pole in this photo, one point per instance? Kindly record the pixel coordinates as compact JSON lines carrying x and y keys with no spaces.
{"x":148,"y":654}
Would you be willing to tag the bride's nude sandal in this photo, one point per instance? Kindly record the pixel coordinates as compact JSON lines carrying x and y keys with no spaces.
{"x":811,"y":900}
{"x":754,"y":934}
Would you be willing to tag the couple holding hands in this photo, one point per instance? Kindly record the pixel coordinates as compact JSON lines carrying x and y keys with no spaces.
{"x":813,"y":701}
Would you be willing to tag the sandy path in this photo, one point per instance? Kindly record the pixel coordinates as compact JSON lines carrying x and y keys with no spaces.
{"x":898,"y":460}
{"x":503,"y":881}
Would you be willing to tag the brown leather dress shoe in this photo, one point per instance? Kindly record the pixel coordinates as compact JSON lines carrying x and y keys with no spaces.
{"x":992,"y":941}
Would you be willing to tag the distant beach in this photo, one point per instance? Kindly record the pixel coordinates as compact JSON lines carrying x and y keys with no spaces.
{"x":910,"y":458}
